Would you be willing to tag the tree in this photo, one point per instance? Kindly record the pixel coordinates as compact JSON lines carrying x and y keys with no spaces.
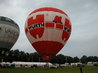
{"x":70,"y":59}
{"x":31,"y":57}
{"x":36,"y":57}
{"x":92,"y":59}
{"x":75,"y":59}
{"x":84,"y":59}
{"x":95,"y":59}
{"x":16,"y":55}
{"x":60,"y":59}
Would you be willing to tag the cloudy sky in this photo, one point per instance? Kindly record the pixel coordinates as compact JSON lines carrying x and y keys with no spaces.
{"x":83,"y":15}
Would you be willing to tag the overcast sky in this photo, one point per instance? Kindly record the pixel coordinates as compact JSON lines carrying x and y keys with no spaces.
{"x":83,"y":15}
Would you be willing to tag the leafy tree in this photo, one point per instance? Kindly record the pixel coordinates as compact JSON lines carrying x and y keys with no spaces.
{"x":75,"y":59}
{"x":84,"y":59}
{"x":95,"y":59}
{"x":16,"y":55}
{"x":60,"y":59}
{"x":36,"y":57}
{"x":70,"y":60}
{"x":90,"y":59}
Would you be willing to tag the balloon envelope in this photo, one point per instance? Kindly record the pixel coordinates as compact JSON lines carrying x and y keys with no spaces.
{"x":48,"y":29}
{"x":9,"y":32}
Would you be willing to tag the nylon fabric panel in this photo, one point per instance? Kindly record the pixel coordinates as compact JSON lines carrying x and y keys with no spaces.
{"x":49,"y":24}
{"x":65,"y":36}
{"x":37,"y":33}
{"x":67,"y":23}
{"x":47,"y":47}
{"x":9,"y":33}
{"x":37,"y":19}
{"x":48,"y":9}
{"x":59,"y":26}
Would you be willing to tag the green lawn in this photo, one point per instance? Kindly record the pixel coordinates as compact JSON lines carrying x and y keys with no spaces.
{"x":90,"y":69}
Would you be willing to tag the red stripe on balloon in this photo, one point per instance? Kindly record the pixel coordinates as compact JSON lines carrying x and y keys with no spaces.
{"x":67,"y":23}
{"x":49,"y":24}
{"x":47,"y":48}
{"x":48,"y":9}
{"x":59,"y":26}
{"x":65,"y":35}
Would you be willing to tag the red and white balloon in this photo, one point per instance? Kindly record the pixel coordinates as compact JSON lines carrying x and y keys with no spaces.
{"x":48,"y":30}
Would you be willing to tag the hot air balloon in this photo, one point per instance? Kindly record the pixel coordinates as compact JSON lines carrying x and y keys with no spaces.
{"x":48,"y":30}
{"x":9,"y":32}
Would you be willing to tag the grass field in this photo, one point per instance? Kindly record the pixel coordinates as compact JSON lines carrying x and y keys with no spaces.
{"x":90,"y":69}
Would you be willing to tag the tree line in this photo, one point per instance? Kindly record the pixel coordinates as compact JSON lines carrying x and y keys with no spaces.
{"x":16,"y":55}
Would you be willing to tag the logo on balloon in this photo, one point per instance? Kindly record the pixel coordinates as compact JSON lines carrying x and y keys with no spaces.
{"x":37,"y":26}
